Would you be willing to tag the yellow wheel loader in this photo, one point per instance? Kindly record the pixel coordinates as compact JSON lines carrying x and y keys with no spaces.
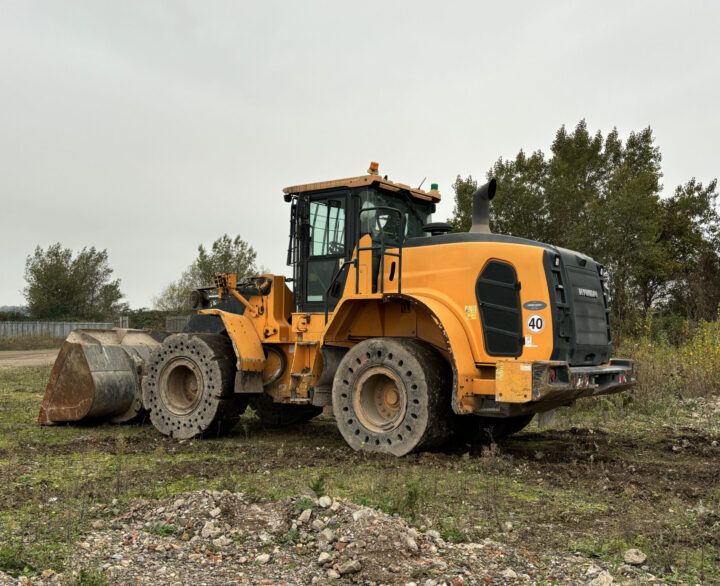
{"x":410,"y":332}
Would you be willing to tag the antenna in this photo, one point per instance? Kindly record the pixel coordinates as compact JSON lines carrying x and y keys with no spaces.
{"x":423,"y":181}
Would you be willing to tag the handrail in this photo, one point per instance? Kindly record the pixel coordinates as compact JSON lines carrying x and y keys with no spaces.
{"x":381,"y":247}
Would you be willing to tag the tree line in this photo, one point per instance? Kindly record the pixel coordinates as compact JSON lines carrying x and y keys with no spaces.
{"x":63,"y":286}
{"x":602,"y":196}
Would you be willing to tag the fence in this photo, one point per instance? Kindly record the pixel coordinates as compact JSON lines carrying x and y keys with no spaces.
{"x":46,"y":329}
{"x":176,"y":323}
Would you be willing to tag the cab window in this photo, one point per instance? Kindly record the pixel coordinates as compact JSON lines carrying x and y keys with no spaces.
{"x":327,"y":227}
{"x":326,"y":246}
{"x":415,"y":214}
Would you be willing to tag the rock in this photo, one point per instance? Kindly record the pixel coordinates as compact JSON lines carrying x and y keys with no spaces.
{"x":335,"y":506}
{"x":432,"y":534}
{"x":305,"y":516}
{"x":350,"y":567}
{"x":324,"y":501}
{"x":327,"y":535}
{"x":222,"y":541}
{"x":627,"y":569}
{"x":602,"y":578}
{"x":332,"y":574}
{"x":363,"y":514}
{"x":411,"y":544}
{"x":634,"y":557}
{"x":508,"y":574}
{"x":263,"y":559}
{"x":324,"y":557}
{"x":215,"y":513}
{"x":507,"y":526}
{"x":98,"y":524}
{"x":208,"y":530}
{"x":318,"y":525}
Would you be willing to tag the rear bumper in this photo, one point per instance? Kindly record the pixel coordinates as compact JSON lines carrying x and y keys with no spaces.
{"x":545,"y":383}
{"x":558,"y":380}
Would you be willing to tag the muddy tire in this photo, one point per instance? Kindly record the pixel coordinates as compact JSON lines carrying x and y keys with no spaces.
{"x":279,"y":414}
{"x":475,"y":429}
{"x":392,"y":395}
{"x":188,"y":386}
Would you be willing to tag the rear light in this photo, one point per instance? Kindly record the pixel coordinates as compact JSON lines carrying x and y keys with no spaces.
{"x":582,"y":382}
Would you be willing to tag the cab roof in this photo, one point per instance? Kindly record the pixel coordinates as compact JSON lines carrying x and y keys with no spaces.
{"x":366,"y":181}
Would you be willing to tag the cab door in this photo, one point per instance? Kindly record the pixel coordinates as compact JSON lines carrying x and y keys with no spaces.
{"x":323,"y":248}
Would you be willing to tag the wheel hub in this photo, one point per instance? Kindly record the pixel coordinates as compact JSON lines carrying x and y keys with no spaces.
{"x":180,"y":386}
{"x":380,"y":399}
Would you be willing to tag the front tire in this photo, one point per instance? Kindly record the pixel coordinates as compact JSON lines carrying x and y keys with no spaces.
{"x":392,"y":395}
{"x":188,"y":387}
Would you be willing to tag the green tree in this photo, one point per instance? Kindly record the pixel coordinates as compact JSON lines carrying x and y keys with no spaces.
{"x":602,"y":196}
{"x":691,"y":239}
{"x":521,"y":208}
{"x":226,"y":255}
{"x":462,"y":214}
{"x":63,"y":286}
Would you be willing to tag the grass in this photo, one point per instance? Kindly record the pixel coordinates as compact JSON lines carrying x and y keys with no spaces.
{"x":90,"y":577}
{"x":610,"y":473}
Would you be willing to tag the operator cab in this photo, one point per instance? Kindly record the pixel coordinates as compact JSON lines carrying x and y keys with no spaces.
{"x":327,"y":219}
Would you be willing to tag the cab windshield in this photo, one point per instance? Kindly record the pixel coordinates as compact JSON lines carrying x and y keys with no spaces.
{"x":415,"y":213}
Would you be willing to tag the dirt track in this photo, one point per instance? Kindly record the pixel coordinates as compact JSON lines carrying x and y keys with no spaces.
{"x":27,"y":357}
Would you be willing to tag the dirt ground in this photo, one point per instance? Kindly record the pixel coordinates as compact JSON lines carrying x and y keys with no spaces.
{"x":605,"y":477}
{"x":27,"y":357}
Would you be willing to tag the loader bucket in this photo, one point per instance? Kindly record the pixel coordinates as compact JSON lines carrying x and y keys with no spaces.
{"x":97,"y":375}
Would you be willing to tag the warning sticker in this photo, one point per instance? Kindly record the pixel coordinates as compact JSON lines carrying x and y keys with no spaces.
{"x":471,"y":311}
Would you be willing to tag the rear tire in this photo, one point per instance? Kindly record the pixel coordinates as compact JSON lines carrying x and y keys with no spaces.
{"x":392,"y":395}
{"x":476,"y":429}
{"x":188,"y":386}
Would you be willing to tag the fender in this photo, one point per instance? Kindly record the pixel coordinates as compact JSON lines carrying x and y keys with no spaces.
{"x":244,"y":338}
{"x":467,"y":380}
{"x":448,"y":333}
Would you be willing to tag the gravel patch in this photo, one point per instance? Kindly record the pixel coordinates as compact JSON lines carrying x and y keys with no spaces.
{"x":211,"y":537}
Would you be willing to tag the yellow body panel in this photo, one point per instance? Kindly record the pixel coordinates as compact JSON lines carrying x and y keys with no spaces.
{"x":242,"y":333}
{"x":448,"y":273}
{"x":436,"y":302}
{"x":513,"y":381}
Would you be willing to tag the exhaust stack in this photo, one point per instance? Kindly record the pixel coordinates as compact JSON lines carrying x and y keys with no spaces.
{"x":481,"y":207}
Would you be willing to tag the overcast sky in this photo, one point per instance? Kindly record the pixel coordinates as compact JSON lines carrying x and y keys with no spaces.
{"x":150,"y":127}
